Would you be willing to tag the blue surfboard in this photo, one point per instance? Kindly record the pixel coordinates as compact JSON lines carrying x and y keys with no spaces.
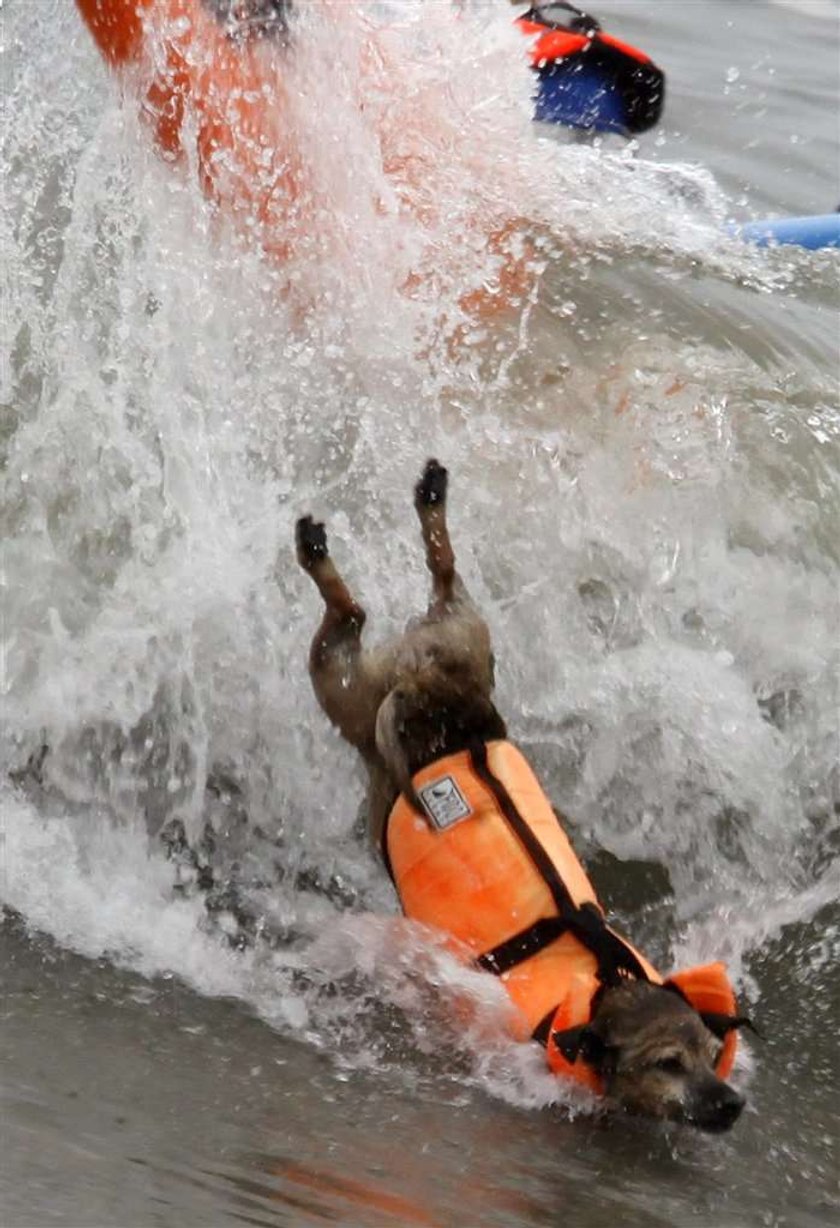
{"x":813,"y":233}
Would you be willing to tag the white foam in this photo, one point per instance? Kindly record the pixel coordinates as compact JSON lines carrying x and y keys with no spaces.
{"x":819,"y":10}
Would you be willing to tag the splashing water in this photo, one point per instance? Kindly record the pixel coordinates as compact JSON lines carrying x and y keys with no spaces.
{"x":645,"y":505}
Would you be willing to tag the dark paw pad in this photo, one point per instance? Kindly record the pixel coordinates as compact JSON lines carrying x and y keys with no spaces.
{"x":431,"y":489}
{"x":311,"y":539}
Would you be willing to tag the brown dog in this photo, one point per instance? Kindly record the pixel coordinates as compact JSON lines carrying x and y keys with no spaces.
{"x":427,"y":698}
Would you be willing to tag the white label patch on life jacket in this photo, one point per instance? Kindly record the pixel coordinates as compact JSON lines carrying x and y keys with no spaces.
{"x":444,"y":802}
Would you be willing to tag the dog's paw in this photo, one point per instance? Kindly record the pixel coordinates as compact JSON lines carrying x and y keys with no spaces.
{"x":431,"y":489}
{"x":311,"y":542}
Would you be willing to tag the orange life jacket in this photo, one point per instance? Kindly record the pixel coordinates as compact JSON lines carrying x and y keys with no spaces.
{"x":490,"y":864}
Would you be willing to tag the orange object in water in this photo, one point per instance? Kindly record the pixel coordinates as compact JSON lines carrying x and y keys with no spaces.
{"x":215,"y":95}
{"x":197,"y":83}
{"x":708,"y":989}
{"x":557,"y":44}
{"x":491,"y":866}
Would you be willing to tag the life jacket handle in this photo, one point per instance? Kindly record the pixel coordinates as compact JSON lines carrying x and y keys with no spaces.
{"x":719,"y":1024}
{"x":578,"y":21}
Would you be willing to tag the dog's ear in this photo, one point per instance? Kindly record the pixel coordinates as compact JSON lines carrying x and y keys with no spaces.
{"x":580,"y":1042}
{"x":719,"y":1024}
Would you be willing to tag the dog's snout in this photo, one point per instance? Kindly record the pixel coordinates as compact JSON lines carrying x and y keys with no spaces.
{"x":721,"y":1109}
{"x":730,"y":1107}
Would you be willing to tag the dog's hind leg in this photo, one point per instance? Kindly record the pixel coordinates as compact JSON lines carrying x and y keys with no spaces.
{"x":430,"y":502}
{"x":343,"y":618}
{"x":453,"y":629}
{"x":442,"y":693}
{"x":349,"y":683}
{"x":347,"y":688}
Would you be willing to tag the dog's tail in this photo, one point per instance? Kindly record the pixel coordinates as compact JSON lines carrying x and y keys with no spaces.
{"x":434,"y":712}
{"x":390,"y":742}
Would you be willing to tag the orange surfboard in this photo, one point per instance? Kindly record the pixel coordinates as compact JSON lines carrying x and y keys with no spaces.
{"x":213,"y":96}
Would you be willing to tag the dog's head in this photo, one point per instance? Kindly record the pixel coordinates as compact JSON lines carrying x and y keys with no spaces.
{"x":656,"y":1056}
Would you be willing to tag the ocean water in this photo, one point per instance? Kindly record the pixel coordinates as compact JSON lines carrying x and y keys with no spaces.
{"x":645,"y":502}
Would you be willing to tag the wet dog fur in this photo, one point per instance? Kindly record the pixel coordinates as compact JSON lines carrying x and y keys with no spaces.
{"x":429,"y":694}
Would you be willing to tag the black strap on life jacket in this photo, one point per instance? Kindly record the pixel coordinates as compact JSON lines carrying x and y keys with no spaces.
{"x":542,"y":1032}
{"x":522,"y":946}
{"x":616,"y":961}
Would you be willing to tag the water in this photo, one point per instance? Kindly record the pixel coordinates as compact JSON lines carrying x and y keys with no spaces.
{"x":645,"y":503}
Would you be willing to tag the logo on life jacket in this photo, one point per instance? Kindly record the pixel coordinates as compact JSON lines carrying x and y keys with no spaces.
{"x":444,"y":802}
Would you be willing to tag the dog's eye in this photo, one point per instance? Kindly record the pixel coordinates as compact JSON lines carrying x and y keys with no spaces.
{"x":671,"y":1065}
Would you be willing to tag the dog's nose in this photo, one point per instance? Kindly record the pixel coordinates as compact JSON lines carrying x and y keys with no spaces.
{"x":718,"y":1108}
{"x":726,"y":1107}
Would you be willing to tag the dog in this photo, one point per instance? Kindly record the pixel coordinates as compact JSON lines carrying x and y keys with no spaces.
{"x":456,"y":811}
